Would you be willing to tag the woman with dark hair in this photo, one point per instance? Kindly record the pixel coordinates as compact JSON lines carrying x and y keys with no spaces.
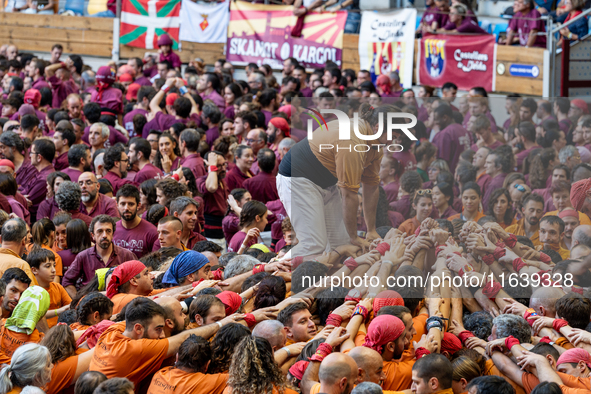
{"x":61,"y":220}
{"x":77,"y":240}
{"x":43,"y":236}
{"x":499,"y":207}
{"x":471,"y":197}
{"x":253,"y":219}
{"x":232,"y":92}
{"x":192,"y":186}
{"x":168,"y":157}
{"x":69,"y":362}
{"x":243,"y":157}
{"x":188,"y":375}
{"x":147,"y":196}
{"x":410,"y":182}
{"x":253,"y":369}
{"x":443,"y":197}
{"x":48,"y":207}
{"x":92,"y":309}
{"x":231,"y":223}
{"x":156,"y":213}
{"x":422,"y":205}
{"x":390,"y":172}
{"x":9,"y":188}
{"x":268,"y":100}
{"x":540,"y":171}
{"x":270,"y":292}
{"x":224,"y":345}
{"x":425,"y":155}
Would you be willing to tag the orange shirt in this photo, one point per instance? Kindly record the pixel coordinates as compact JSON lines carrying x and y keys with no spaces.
{"x":63,"y":373}
{"x":228,"y":390}
{"x":491,"y":369}
{"x":530,"y":381}
{"x":15,"y":390}
{"x":459,"y":216}
{"x":420,"y":324}
{"x":78,"y":327}
{"x":58,"y":297}
{"x":519,"y":229}
{"x":583,"y":219}
{"x":116,"y":355}
{"x":564,"y":253}
{"x":399,"y":373}
{"x":504,"y":226}
{"x":409,"y":226}
{"x":10,"y":341}
{"x":173,"y":380}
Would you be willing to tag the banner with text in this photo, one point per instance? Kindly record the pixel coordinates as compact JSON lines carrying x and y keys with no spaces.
{"x":386,"y":43}
{"x":465,"y":61}
{"x":261,"y":34}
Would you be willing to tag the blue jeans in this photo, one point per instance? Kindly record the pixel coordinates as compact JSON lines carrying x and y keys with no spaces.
{"x":104,"y":14}
{"x":353,"y":22}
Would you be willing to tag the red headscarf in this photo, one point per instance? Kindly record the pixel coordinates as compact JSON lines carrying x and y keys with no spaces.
{"x":105,"y":77}
{"x":386,"y":298}
{"x":578,"y":192}
{"x":381,"y":330}
{"x":231,"y":300}
{"x":123,"y":274}
{"x":281,"y":124}
{"x":575,"y":356}
{"x":384,"y":83}
{"x":93,"y":333}
{"x":450,"y":343}
{"x":297,"y":370}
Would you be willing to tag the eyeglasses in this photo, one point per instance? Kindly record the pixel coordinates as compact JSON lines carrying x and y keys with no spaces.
{"x":125,"y":161}
{"x":423,"y":192}
{"x":33,"y":153}
{"x":87,"y":183}
{"x":250,"y":141}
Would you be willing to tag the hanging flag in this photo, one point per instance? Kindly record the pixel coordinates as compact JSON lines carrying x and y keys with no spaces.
{"x":143,"y":21}
{"x":205,"y":23}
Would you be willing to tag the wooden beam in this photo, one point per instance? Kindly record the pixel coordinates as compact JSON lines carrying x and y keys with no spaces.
{"x":530,"y":86}
{"x":56,"y":21}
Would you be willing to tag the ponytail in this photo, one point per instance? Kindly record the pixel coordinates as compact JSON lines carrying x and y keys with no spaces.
{"x":5,"y":382}
{"x":40,"y":232}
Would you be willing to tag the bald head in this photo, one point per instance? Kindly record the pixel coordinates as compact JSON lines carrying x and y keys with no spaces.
{"x":338,"y":373}
{"x":370,"y":363}
{"x":176,"y":320}
{"x":580,"y":251}
{"x":543,"y":300}
{"x":582,"y":235}
{"x":273,"y":331}
{"x":211,"y":257}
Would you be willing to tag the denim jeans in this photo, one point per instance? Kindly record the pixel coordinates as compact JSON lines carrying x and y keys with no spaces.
{"x":104,"y":14}
{"x":353,"y":22}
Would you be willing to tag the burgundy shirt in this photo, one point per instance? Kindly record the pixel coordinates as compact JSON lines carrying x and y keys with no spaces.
{"x":215,"y":204}
{"x":117,"y":182}
{"x":467,"y":26}
{"x":172,"y":58}
{"x":448,"y":212}
{"x":195,"y":163}
{"x":150,"y":171}
{"x":40,"y":84}
{"x":47,"y":209}
{"x":128,"y":120}
{"x":307,"y":92}
{"x":522,"y":155}
{"x":407,"y":159}
{"x":160,"y":122}
{"x":61,"y":90}
{"x":237,"y":240}
{"x":216,"y":98}
{"x":61,"y":162}
{"x":229,"y":112}
{"x":88,"y":261}
{"x":211,"y":135}
{"x":494,"y":146}
{"x":38,"y":189}
{"x":391,"y":190}
{"x":235,"y":178}
{"x":230,"y":225}
{"x":262,"y":187}
{"x":67,"y":259}
{"x":495,"y":183}
{"x":25,"y":175}
{"x":268,"y":116}
{"x":522,"y":25}
{"x":402,"y":206}
{"x":76,"y":214}
{"x":483,"y":182}
{"x":103,"y":206}
{"x":19,"y":209}
{"x":112,"y":98}
{"x":138,"y":240}
{"x":73,"y":173}
{"x":451,"y":142}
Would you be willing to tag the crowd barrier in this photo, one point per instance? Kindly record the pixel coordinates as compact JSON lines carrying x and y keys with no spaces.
{"x":94,"y":37}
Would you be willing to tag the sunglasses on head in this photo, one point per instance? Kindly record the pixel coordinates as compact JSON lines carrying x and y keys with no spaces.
{"x":422,"y":192}
{"x":519,"y":187}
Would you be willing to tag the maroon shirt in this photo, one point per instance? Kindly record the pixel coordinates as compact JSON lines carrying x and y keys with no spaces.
{"x":61,"y":90}
{"x":451,"y":142}
{"x":448,"y":212}
{"x":495,"y":183}
{"x":483,"y":182}
{"x":522,"y":155}
{"x":467,"y":26}
{"x":73,"y":173}
{"x":67,"y":259}
{"x":494,"y":146}
{"x":237,"y":240}
{"x":76,"y":214}
{"x":138,"y":240}
{"x":117,"y":182}
{"x":150,"y":171}
{"x":47,"y":209}
{"x":128,"y":120}
{"x":230,"y":225}
{"x":235,"y":178}
{"x":195,"y":163}
{"x":61,"y":162}
{"x":391,"y":190}
{"x":216,"y":98}
{"x":38,"y":189}
{"x":262,"y":187}
{"x":402,"y":206}
{"x":112,"y":98}
{"x":523,"y":24}
{"x":211,"y":135}
{"x":407,"y":159}
{"x":25,"y":175}
{"x":88,"y":261}
{"x":40,"y":83}
{"x":172,"y":58}
{"x":103,"y":206}
{"x":160,"y":122}
{"x":229,"y":112}
{"x":215,"y":204}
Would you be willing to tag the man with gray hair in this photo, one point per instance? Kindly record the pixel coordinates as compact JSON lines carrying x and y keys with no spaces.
{"x":569,"y":156}
{"x":367,"y":388}
{"x":257,"y":81}
{"x":240,"y":265}
{"x":88,"y":80}
{"x":582,"y":235}
{"x":14,"y":239}
{"x":284,"y":146}
{"x":186,"y":209}
{"x":396,"y":89}
{"x":99,"y":163}
{"x":274,"y":332}
{"x":98,"y":135}
{"x":68,"y":198}
{"x":506,"y":325}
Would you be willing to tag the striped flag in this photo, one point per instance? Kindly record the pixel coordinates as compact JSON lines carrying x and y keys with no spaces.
{"x":143,"y":21}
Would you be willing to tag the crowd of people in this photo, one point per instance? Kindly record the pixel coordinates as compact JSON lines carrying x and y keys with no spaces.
{"x":178,"y":230}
